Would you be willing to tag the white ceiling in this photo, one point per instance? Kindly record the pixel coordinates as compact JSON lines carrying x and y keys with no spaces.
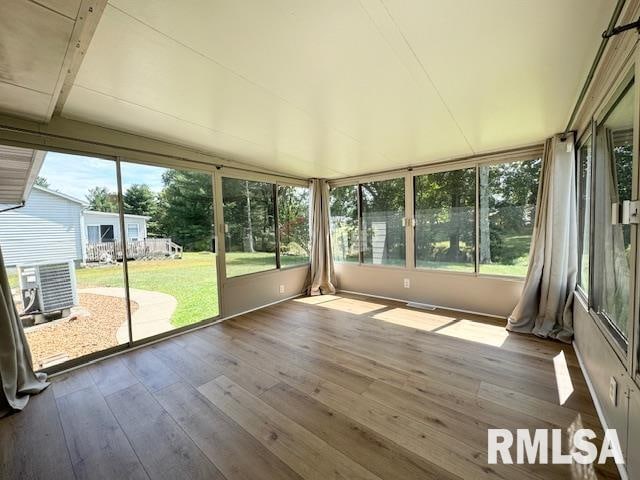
{"x":338,"y":87}
{"x":34,"y":38}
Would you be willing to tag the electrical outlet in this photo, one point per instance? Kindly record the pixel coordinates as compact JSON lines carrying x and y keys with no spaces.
{"x":407,"y":283}
{"x":281,"y":288}
{"x":613,"y":391}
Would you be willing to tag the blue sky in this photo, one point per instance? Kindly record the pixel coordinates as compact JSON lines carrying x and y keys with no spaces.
{"x":75,"y":174}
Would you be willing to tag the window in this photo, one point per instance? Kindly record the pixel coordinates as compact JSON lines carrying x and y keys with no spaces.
{"x":445,"y":220}
{"x":106,"y":233}
{"x":293,"y":225}
{"x":507,"y":194}
{"x":133,"y":231}
{"x":250,"y":230}
{"x":343,"y":206}
{"x":613,"y":184}
{"x":93,"y":233}
{"x":584,"y":214}
{"x":383,"y":232}
{"x":68,"y":193}
{"x":174,"y":269}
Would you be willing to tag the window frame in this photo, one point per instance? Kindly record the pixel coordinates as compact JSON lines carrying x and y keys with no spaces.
{"x":93,"y":225}
{"x":532,"y":152}
{"x":113,"y":232}
{"x":275,"y":181}
{"x":121,"y":153}
{"x":475,"y":222}
{"x":623,"y":347}
{"x":408,"y":207}
{"x":277,"y":223}
{"x":587,"y":135}
{"x":137,"y":236}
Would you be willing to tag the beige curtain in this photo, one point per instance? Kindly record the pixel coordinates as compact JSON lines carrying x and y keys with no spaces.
{"x":322,"y":270}
{"x":545,"y":306}
{"x":16,"y":372}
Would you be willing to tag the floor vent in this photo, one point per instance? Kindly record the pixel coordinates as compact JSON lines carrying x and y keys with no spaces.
{"x":422,"y":306}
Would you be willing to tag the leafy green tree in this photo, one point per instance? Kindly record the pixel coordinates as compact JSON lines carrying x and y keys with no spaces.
{"x":508,"y":198}
{"x":184,"y":211}
{"x":249,"y":210}
{"x":383,"y":203}
{"x":344,"y":223}
{"x":293,"y":220}
{"x":101,"y":200}
{"x":140,"y":200}
{"x":445,"y":211}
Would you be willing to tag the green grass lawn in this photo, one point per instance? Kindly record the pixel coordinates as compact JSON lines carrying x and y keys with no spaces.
{"x":191,"y":280}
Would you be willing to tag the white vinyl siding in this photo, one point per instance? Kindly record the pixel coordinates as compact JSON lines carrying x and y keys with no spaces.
{"x":101,"y":219}
{"x":47,"y":229}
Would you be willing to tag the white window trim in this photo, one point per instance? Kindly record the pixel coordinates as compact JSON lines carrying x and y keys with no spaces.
{"x":137,"y":237}
{"x":96,"y":226}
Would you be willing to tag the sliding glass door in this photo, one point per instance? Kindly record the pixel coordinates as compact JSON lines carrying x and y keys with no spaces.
{"x":63,"y":265}
{"x":169,"y":248}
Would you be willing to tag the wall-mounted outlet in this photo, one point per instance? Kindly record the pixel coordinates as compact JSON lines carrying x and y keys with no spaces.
{"x":613,"y":391}
{"x":407,"y":283}
{"x":281,"y":288}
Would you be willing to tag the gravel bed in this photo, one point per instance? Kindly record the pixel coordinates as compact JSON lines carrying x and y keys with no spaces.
{"x":91,"y":327}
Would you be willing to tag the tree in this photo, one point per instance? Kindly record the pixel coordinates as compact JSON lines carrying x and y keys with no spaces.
{"x":140,"y":200}
{"x":42,"y":182}
{"x":185,"y":209}
{"x":445,"y":209}
{"x":293,"y":220}
{"x":101,"y":200}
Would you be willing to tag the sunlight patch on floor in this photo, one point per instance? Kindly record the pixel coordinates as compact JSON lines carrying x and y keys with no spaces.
{"x":563,"y":378}
{"x":492,"y":335}
{"x":350,"y":305}
{"x":317,"y":299}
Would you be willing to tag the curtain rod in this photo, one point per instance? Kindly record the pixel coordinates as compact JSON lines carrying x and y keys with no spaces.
{"x":145,"y":152}
{"x":596,"y":61}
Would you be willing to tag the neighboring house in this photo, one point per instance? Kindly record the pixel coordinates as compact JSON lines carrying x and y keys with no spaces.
{"x":53,"y":226}
{"x":103,"y":227}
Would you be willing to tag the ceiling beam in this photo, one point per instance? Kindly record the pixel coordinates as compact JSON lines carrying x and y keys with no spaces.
{"x":89,"y":15}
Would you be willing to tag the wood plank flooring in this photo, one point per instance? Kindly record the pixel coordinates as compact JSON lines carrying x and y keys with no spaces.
{"x":316,"y":388}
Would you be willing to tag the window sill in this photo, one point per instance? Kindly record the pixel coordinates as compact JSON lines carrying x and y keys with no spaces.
{"x":264,"y":273}
{"x":432,"y":270}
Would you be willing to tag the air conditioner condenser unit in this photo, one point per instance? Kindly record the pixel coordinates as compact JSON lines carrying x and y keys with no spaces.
{"x":48,"y":287}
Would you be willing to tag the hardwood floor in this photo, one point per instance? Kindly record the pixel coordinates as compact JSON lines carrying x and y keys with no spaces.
{"x":325,"y":387}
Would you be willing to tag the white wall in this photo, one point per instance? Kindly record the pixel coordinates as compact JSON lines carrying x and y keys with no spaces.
{"x":142,"y":225}
{"x":253,"y":291}
{"x":601,"y":364}
{"x":99,"y":218}
{"x":481,"y":294}
{"x":47,"y":229}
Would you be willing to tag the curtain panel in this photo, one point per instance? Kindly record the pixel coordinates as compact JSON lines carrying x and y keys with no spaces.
{"x":322,"y":279}
{"x":545,"y":306}
{"x":16,"y":371}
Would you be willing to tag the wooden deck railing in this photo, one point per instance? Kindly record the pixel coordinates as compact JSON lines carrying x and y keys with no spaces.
{"x":136,"y":249}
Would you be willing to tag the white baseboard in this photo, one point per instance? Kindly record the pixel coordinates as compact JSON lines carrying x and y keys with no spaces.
{"x":603,"y":421}
{"x":442,"y":307}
